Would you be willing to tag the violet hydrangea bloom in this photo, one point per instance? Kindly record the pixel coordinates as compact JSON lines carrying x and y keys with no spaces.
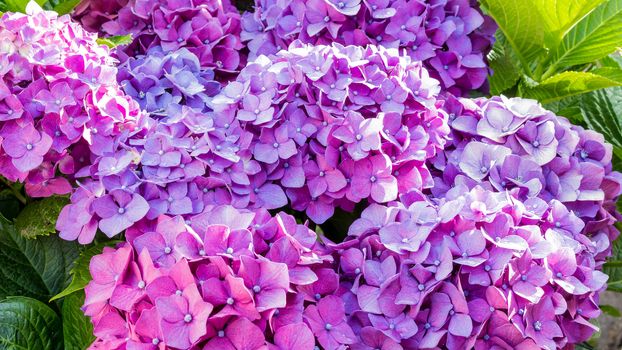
{"x":208,"y":29}
{"x":334,"y":99}
{"x":451,"y":37}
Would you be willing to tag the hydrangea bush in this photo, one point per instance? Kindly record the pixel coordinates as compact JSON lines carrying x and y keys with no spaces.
{"x":230,"y":155}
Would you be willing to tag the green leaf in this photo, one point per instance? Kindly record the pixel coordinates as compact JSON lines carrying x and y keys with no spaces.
{"x":602,"y":111}
{"x":29,"y":324}
{"x":558,"y":16}
{"x":14,"y":5}
{"x":39,"y":218}
{"x":595,"y":36}
{"x":568,"y":84}
{"x":613,"y":61}
{"x":610,"y":310}
{"x":77,"y":328}
{"x":64,"y":6}
{"x":80,"y":274}
{"x":35,"y":268}
{"x":114,"y":41}
{"x":505,"y":72}
{"x":522,"y":27}
{"x":9,"y":205}
{"x":613,"y":267}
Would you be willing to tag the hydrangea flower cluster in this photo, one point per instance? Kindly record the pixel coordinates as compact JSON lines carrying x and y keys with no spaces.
{"x":329,"y":126}
{"x":210,"y":29}
{"x":59,"y":101}
{"x":451,"y":37}
{"x":506,"y":250}
{"x":230,"y":280}
{"x":335,"y":125}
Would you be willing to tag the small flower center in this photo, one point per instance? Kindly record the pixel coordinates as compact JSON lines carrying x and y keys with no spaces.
{"x":483,"y":170}
{"x":221,"y":334}
{"x":230,"y":301}
{"x":121,"y":210}
{"x":155,"y":341}
{"x":326,"y":19}
{"x":29,"y":146}
{"x":229,"y":250}
{"x":141,"y":284}
{"x":421,"y":287}
{"x":487,"y":268}
{"x":188,"y":318}
{"x":328,"y":326}
{"x":537,"y":326}
{"x":256,"y":289}
{"x":167,"y":250}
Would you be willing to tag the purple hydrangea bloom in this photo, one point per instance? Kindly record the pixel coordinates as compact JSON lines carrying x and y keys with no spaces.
{"x":451,"y":37}
{"x":208,"y":29}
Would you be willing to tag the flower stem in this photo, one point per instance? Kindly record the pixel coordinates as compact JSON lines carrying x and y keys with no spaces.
{"x":16,"y":191}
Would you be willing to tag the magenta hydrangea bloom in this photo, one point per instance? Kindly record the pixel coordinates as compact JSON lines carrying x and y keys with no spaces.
{"x":59,"y":101}
{"x":451,"y":37}
{"x":207,"y":295}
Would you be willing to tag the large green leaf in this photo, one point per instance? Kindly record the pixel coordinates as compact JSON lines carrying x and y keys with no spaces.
{"x":558,"y":16}
{"x":77,"y":328}
{"x":568,"y":84}
{"x":613,"y":267}
{"x":27,"y":324}
{"x":602,"y":111}
{"x":35,"y":268}
{"x":64,"y":6}
{"x":39,"y":218}
{"x":505,"y":73}
{"x":114,"y":41}
{"x":80,"y":274}
{"x":595,"y":36}
{"x":521,"y":25}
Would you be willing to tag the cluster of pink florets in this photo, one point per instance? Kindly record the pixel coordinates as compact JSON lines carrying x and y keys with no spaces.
{"x":59,"y":102}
